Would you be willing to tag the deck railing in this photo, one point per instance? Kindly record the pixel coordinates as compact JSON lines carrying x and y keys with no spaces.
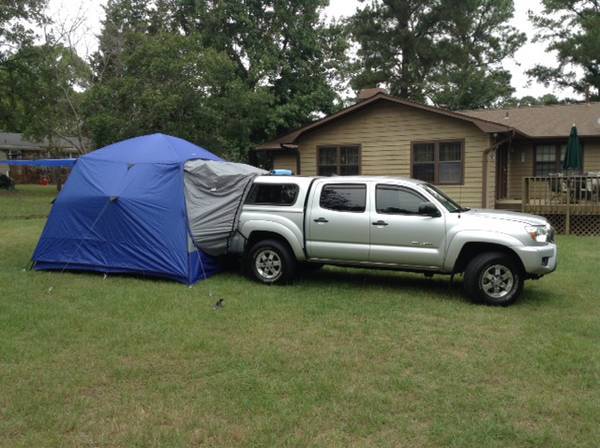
{"x":562,"y":195}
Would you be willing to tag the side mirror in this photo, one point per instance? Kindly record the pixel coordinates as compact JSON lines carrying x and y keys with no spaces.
{"x":428,"y":209}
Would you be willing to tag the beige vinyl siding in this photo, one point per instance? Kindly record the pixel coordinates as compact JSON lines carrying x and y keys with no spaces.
{"x":520,"y":165}
{"x":284,"y":162}
{"x":591,"y":156}
{"x":385,"y":132}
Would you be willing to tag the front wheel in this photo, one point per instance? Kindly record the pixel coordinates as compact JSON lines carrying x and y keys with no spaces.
{"x":493,"y":278}
{"x":271,"y":262}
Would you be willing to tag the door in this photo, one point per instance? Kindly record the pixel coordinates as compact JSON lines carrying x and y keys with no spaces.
{"x":399,"y":234}
{"x":338,"y":222}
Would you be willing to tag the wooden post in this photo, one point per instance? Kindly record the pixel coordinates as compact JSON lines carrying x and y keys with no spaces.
{"x":568,"y":214}
{"x":524,"y":195}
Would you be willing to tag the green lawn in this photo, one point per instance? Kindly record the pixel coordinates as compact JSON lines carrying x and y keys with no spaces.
{"x":27,"y":202}
{"x":341,"y":358}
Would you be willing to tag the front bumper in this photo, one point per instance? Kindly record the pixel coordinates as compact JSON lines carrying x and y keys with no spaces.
{"x":539,"y":260}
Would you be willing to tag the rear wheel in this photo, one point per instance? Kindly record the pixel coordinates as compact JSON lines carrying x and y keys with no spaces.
{"x":493,"y":278}
{"x":271,"y":262}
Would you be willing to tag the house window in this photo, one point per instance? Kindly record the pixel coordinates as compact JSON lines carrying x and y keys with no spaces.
{"x":339,"y":160}
{"x":438,"y":162}
{"x":549,"y":159}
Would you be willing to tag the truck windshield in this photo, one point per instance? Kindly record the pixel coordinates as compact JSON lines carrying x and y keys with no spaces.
{"x":450,"y":205}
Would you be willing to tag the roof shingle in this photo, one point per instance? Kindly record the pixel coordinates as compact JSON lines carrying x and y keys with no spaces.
{"x":546,"y":121}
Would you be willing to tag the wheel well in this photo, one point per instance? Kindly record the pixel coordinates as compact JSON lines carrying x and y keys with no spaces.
{"x":259,"y":235}
{"x":471,"y":250}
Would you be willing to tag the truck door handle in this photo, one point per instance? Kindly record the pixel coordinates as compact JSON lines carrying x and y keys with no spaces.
{"x":320,"y":220}
{"x":380,"y":223}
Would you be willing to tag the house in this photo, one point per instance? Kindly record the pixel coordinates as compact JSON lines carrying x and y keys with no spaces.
{"x":14,"y":146}
{"x":479,"y":157}
{"x":539,"y":143}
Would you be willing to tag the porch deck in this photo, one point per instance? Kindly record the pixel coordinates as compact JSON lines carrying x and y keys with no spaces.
{"x":571,"y":203}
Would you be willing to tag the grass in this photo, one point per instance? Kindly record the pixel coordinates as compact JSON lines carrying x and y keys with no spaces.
{"x":27,"y":202}
{"x":341,"y":358}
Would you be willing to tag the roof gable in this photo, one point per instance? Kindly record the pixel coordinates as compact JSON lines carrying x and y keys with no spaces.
{"x":291,"y":138}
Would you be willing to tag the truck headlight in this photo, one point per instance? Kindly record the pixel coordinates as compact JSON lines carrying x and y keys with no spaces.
{"x":539,"y":234}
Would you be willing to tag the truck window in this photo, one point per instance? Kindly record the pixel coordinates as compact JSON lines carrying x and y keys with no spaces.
{"x":392,"y":199}
{"x":344,"y":197}
{"x":272,"y":194}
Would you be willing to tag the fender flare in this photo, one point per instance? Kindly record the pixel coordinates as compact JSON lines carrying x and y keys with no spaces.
{"x":460,"y":239}
{"x":292,"y":238}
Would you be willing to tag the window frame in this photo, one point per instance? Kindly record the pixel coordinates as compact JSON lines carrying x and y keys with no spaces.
{"x":338,"y":147}
{"x":345,"y":184}
{"x":558,"y":161}
{"x":273,"y":204}
{"x":402,"y":188}
{"x":436,"y":159}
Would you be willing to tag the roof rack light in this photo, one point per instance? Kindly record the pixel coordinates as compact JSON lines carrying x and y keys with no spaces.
{"x":282,"y":173}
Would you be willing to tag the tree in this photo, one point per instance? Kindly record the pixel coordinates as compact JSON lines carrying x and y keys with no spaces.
{"x":571,"y":29}
{"x":226,"y":74}
{"x":440,"y":51}
{"x":284,"y":47}
{"x":150,"y":78}
{"x":41,"y":85}
{"x":170,"y":84}
{"x":15,"y":15}
{"x":44,"y":85}
{"x":528,"y":100}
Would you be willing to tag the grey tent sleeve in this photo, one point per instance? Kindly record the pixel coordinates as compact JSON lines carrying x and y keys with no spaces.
{"x":214,"y":193}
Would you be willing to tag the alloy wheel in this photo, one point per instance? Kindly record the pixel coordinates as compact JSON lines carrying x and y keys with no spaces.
{"x":268,"y":264}
{"x":497,"y":281}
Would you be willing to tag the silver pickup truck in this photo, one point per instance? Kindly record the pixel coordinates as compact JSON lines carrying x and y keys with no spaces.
{"x":390,"y":223}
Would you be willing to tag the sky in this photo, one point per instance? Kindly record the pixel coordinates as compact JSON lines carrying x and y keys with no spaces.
{"x":528,"y":56}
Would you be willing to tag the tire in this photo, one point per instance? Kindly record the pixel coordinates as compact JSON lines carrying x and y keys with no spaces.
{"x":271,"y":262}
{"x":493,"y":278}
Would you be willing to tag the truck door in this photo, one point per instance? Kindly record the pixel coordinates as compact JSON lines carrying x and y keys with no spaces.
{"x":338,"y":222}
{"x":399,"y":234}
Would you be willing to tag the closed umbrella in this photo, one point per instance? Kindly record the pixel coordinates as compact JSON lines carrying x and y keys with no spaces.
{"x":574,"y":156}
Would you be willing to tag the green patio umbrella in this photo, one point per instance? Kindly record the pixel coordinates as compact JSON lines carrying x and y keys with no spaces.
{"x":573,"y":157}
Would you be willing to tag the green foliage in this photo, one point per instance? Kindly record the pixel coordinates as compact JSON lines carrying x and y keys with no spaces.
{"x":572,"y":30}
{"x":169,"y":83}
{"x":15,"y":18}
{"x":544,"y":100}
{"x":445,"y":52}
{"x":41,"y":89}
{"x":40,"y":85}
{"x":223,"y":74}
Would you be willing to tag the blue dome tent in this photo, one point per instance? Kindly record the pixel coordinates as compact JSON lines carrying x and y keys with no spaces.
{"x":123,"y":210}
